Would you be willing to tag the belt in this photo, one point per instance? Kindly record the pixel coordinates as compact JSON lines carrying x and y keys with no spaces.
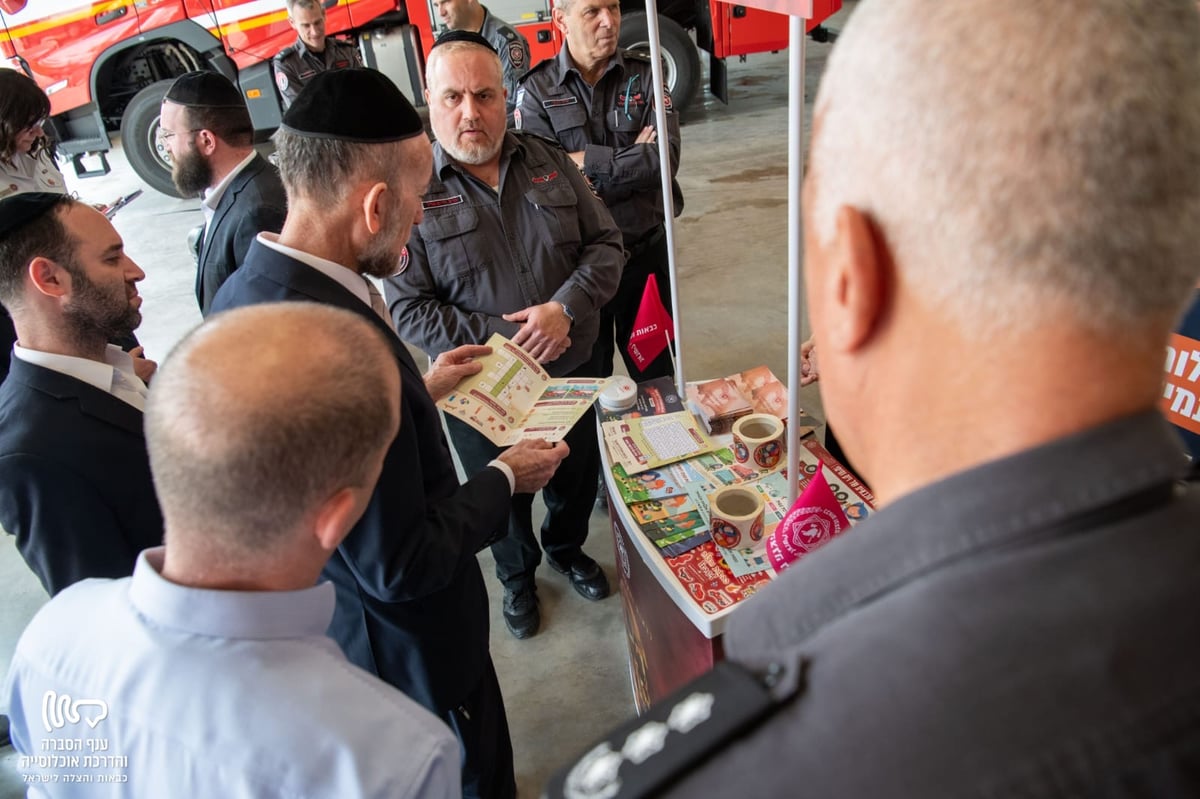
{"x":648,"y":240}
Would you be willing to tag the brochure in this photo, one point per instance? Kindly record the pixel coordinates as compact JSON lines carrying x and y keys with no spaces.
{"x":514,"y":398}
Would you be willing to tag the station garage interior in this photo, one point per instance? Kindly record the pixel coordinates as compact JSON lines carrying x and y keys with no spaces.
{"x":570,"y":683}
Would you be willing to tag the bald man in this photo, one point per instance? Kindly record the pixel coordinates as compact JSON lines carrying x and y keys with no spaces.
{"x":1021,"y":617}
{"x":209,"y":670}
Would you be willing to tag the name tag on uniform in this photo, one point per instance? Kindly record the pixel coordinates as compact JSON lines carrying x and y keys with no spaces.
{"x":442,"y":203}
{"x":560,"y":101}
{"x":545,"y":178}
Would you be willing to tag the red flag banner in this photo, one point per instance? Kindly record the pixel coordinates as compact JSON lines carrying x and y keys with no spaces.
{"x":652,"y":328}
{"x":815,"y":518}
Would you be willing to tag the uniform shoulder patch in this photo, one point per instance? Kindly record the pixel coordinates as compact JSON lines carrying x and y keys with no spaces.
{"x":281,"y":80}
{"x":516,"y":54}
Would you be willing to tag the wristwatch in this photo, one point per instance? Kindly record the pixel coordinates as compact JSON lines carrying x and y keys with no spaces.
{"x":567,"y":312}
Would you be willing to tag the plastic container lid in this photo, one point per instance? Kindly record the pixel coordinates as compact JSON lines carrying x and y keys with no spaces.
{"x":619,"y":395}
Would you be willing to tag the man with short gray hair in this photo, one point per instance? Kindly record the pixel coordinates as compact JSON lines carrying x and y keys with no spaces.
{"x":314,"y":52}
{"x":208,"y":672}
{"x":1002,"y":221}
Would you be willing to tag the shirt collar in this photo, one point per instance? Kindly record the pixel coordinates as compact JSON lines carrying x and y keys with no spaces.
{"x":228,"y":614}
{"x":101,"y":374}
{"x":213,"y":196}
{"x":346,"y":277}
{"x":442,"y":160}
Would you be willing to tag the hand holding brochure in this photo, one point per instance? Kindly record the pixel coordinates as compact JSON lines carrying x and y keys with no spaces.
{"x":514,"y":398}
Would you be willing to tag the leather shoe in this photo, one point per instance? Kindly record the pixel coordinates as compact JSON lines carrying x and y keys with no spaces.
{"x":586,"y":575}
{"x":521,"y":614}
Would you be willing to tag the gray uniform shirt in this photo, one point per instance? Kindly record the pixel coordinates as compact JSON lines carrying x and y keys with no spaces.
{"x":959,"y":646}
{"x":294,"y":66}
{"x":602,"y":122}
{"x":514,"y":54}
{"x":477,"y":255}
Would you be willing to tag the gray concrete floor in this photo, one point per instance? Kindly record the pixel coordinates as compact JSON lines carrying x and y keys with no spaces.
{"x":570,"y":682}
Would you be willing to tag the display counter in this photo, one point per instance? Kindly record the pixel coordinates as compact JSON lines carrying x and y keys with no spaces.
{"x":676,"y":607}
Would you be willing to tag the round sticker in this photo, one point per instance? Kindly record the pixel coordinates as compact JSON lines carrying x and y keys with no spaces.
{"x":281,"y":81}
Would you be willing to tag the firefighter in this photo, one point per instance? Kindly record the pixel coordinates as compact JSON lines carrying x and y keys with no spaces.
{"x":511,"y":46}
{"x":313,"y":51}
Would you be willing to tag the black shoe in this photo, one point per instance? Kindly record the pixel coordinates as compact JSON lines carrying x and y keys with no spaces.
{"x":586,"y":575}
{"x":521,"y":614}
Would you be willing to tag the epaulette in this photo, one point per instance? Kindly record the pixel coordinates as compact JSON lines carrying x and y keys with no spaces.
{"x":644,"y":756}
{"x":533,"y":69}
{"x":285,"y":52}
{"x":633,"y":55}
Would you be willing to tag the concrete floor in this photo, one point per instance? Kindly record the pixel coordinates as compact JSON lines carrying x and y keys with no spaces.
{"x":571,"y":682}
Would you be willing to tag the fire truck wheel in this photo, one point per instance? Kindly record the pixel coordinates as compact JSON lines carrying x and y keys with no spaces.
{"x":139,"y":138}
{"x":681,"y":61}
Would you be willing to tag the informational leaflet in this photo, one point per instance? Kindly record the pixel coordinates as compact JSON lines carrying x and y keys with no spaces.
{"x":513,"y":397}
{"x":640,"y":444}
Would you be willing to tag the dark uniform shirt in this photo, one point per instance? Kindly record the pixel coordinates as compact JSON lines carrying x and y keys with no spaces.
{"x":478,"y":254}
{"x":603,"y":121}
{"x":514,"y":54}
{"x":295,"y":65}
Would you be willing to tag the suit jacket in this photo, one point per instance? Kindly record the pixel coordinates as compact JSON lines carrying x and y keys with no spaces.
{"x":255,"y":201}
{"x":75,"y":485}
{"x":412,"y":605}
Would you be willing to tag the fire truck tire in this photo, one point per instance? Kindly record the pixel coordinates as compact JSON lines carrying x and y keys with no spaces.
{"x":681,"y":60}
{"x":139,"y":138}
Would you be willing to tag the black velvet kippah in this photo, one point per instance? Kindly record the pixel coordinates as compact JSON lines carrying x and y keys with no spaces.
{"x":19,"y":210}
{"x":463,"y":36}
{"x":356,"y":105}
{"x":205,"y":90}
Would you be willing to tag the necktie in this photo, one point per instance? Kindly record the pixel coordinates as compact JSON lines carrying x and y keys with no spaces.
{"x":377,"y":303}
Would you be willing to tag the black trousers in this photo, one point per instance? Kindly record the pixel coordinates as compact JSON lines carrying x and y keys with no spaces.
{"x":482,"y":729}
{"x":568,"y":496}
{"x":647,"y":257}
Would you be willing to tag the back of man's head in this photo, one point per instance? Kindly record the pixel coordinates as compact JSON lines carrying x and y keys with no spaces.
{"x":261,"y":415}
{"x":1022,"y":160}
{"x":32,"y":227}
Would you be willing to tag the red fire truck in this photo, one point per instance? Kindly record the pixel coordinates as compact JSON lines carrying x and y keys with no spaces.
{"x":106,"y":64}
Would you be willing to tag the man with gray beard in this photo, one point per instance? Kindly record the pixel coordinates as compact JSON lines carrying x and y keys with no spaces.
{"x":206,"y":128}
{"x":511,"y":211}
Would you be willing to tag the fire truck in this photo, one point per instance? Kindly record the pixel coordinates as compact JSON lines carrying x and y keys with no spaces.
{"x":106,"y":64}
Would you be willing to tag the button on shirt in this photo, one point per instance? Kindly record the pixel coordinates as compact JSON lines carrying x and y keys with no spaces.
{"x":115,"y":376}
{"x":205,"y":693}
{"x":603,"y":122}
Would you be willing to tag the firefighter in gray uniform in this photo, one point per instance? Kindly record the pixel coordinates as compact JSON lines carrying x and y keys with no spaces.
{"x":512,"y":242}
{"x":313,"y":51}
{"x":598,"y":102}
{"x":511,"y":46}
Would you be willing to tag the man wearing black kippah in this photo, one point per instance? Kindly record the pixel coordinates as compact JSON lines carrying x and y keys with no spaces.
{"x":75,"y":485}
{"x":205,"y":126}
{"x":412,"y":605}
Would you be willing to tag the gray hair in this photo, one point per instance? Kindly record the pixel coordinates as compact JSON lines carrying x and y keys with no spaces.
{"x":323,"y":170}
{"x":261,"y":414}
{"x":1021,"y":158}
{"x":444,"y":50}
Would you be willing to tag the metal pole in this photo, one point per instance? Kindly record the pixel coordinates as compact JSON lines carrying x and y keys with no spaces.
{"x":796,"y":25}
{"x":664,"y":160}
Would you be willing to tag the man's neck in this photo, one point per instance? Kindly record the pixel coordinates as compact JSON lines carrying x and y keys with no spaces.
{"x":57,"y":342}
{"x":489,"y":173}
{"x":474,"y":20}
{"x":317,"y":234}
{"x":590,"y":72}
{"x":225,"y":160}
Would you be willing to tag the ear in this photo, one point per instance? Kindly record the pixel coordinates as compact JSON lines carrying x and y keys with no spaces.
{"x":335,"y":517}
{"x":372,"y":207}
{"x":857,"y":288}
{"x":556,"y":15}
{"x":427,"y":97}
{"x":49,"y":278}
{"x":206,"y":142}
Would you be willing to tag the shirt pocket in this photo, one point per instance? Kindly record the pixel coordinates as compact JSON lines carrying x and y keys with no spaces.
{"x":557,"y":204}
{"x":449,"y":236}
{"x":566,"y":117}
{"x":618,"y":121}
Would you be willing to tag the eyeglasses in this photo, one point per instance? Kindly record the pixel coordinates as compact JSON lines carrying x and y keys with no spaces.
{"x":165,"y":135}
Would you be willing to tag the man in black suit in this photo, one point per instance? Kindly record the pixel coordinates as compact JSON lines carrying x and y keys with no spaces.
{"x":75,"y":485}
{"x":412,"y":606}
{"x":205,"y":126}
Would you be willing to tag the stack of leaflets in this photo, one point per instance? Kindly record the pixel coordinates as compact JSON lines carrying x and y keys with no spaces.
{"x":721,"y":402}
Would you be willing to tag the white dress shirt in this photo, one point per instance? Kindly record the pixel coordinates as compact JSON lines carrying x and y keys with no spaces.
{"x":142,"y":687}
{"x":212,"y":197}
{"x":114,"y":376}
